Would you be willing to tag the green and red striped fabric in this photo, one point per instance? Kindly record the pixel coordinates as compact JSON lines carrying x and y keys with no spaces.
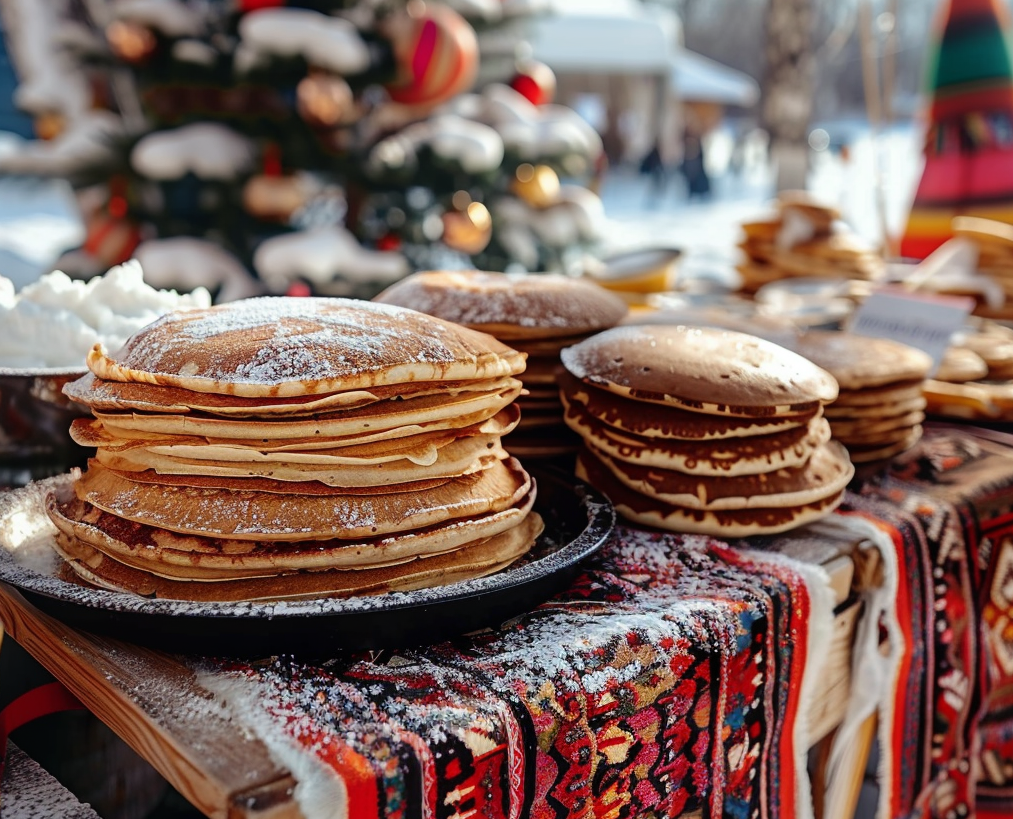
{"x":969,"y":144}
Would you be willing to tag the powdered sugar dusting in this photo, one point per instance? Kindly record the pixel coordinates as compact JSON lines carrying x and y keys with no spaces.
{"x":272,"y":341}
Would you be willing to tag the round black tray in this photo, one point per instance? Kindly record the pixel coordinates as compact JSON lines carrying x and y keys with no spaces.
{"x":577,"y":522}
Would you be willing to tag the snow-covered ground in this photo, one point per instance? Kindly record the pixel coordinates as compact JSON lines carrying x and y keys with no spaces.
{"x":708,"y":230}
{"x":38,"y":219}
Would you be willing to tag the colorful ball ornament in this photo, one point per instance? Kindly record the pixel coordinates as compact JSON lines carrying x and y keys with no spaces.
{"x":324,"y":101}
{"x":131,"y":42}
{"x":469,"y":230}
{"x":537,"y":185}
{"x":436,"y":52}
{"x":535,"y":81}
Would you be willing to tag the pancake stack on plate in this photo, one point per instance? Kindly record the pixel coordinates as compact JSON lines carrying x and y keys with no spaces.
{"x":803,"y":240}
{"x":880,"y":409}
{"x":284,"y":448}
{"x":704,"y":430}
{"x":536,"y":314}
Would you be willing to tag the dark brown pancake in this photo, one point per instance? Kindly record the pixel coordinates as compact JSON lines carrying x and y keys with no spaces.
{"x":707,"y":370}
{"x":719,"y":457}
{"x":508,"y":305}
{"x":657,"y":421}
{"x":723,"y":524}
{"x":826,"y":473}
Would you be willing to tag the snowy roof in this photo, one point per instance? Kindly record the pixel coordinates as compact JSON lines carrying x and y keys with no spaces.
{"x":697,"y":78}
{"x":603,"y":36}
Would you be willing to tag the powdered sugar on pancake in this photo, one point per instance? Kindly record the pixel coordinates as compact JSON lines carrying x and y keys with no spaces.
{"x":281,"y":346}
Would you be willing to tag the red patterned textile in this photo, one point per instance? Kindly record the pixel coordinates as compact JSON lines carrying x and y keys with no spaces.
{"x":665,"y":682}
{"x":948,"y":508}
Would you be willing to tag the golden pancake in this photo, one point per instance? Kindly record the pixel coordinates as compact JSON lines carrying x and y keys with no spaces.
{"x":836,"y":413}
{"x":284,"y":347}
{"x":706,"y":370}
{"x":110,"y":534}
{"x":972,"y":400}
{"x":250,"y":515}
{"x":541,"y":370}
{"x":878,"y":439}
{"x":986,"y":232}
{"x":469,"y":562}
{"x":718,"y":523}
{"x":654,"y":421}
{"x":463,"y":457}
{"x":875,"y":452}
{"x":762,"y":230}
{"x":417,"y":443}
{"x":546,"y":348}
{"x":186,"y":557}
{"x":379,"y":417}
{"x":858,"y":362}
{"x":723,"y":457}
{"x":510,"y":305}
{"x":826,"y":474}
{"x":880,"y":396}
{"x":960,"y":364}
{"x":117,"y":396}
{"x":865,"y":427}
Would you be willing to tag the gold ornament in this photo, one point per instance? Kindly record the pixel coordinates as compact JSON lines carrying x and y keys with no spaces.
{"x":49,"y":125}
{"x":468,"y":230}
{"x":273,"y":198}
{"x":131,"y":42}
{"x":324,"y":101}
{"x":538,"y":185}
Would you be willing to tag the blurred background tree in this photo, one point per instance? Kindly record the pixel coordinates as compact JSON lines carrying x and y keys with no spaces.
{"x":326,"y":146}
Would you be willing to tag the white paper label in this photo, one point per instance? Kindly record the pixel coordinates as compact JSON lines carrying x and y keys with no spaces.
{"x":925,"y":321}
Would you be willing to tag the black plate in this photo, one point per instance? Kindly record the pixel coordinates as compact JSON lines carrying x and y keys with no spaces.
{"x":577,"y":522}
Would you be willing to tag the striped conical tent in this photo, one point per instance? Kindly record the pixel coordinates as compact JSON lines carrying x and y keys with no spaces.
{"x":969,"y":144}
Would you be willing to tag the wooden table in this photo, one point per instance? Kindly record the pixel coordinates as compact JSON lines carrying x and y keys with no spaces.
{"x":148,"y":698}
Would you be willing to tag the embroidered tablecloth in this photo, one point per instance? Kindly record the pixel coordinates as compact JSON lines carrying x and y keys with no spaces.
{"x":668,"y":681}
{"x":947,"y":714}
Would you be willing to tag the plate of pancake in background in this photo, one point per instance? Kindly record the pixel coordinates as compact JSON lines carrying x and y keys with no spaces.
{"x":703,"y":430}
{"x":538,"y":315}
{"x":300,"y":457}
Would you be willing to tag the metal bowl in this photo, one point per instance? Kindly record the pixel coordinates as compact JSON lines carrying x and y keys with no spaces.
{"x":35,"y":419}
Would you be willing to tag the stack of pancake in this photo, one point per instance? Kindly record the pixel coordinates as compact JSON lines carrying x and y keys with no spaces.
{"x":704,"y":430}
{"x":803,"y":240}
{"x":284,"y":448}
{"x":880,"y":409}
{"x":995,"y":258}
{"x":975,"y":379}
{"x":536,"y":314}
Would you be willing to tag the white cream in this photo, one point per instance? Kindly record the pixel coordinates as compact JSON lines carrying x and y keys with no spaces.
{"x":55,"y":321}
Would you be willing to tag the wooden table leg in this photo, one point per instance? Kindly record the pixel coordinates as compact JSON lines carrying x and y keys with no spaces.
{"x":856,"y":757}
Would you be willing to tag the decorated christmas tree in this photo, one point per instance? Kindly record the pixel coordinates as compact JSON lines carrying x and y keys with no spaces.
{"x":321,"y":146}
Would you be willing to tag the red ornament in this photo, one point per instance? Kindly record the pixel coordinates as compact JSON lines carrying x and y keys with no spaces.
{"x":436,"y":52}
{"x":535,"y":81}
{"x":389,"y":241}
{"x":299,"y":290}
{"x":252,"y":5}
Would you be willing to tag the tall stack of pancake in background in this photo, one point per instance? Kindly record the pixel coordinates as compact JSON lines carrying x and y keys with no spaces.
{"x":704,"y":430}
{"x":536,"y":314}
{"x":880,"y":409}
{"x":995,"y":258}
{"x":803,"y":240}
{"x":281,"y":448}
